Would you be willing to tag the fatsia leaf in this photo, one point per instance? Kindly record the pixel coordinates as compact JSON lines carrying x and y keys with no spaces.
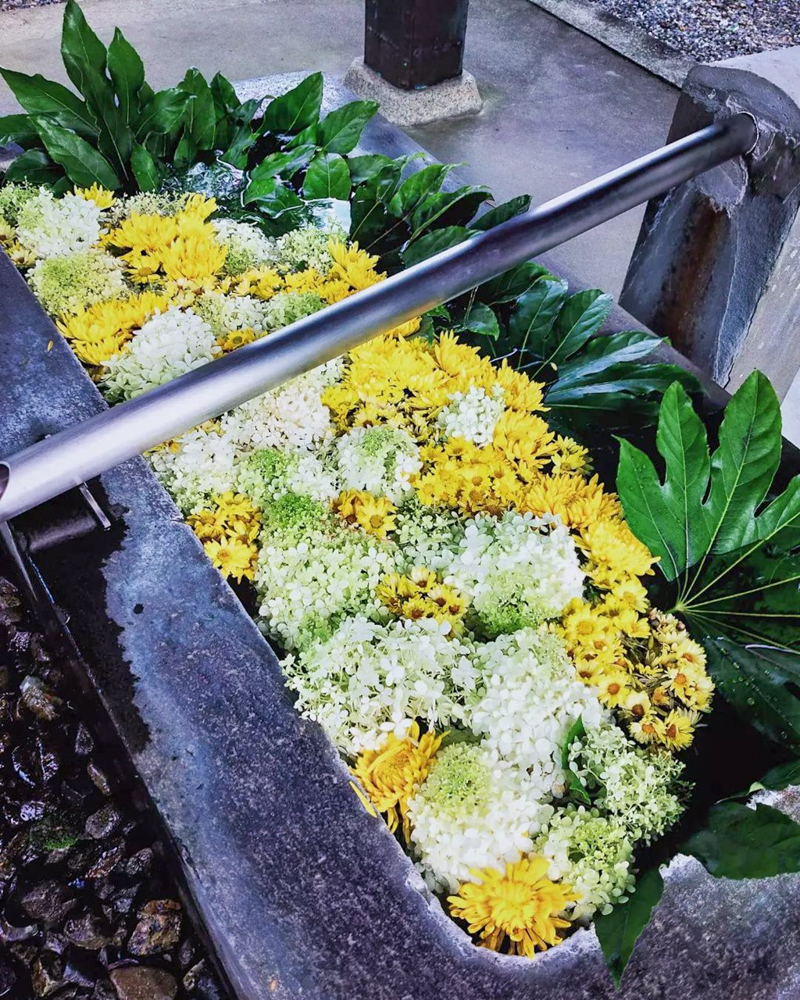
{"x":83,"y":164}
{"x":327,"y":177}
{"x":619,"y":930}
{"x":758,"y":680}
{"x":39,"y":96}
{"x":708,"y":504}
{"x":297,"y":109}
{"x":340,"y":131}
{"x":502,"y":213}
{"x":740,"y":842}
{"x":126,"y":70}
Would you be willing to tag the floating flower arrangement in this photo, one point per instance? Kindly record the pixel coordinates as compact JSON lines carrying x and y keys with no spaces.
{"x":469,"y":613}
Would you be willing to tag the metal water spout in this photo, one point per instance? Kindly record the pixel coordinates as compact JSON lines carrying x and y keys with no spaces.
{"x":87,"y":449}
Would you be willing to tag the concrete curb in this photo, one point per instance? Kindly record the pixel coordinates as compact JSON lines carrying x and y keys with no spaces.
{"x":626,"y":39}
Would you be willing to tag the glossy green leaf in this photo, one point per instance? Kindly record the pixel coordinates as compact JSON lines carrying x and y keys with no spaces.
{"x":161,"y":113}
{"x":581,"y":318}
{"x":283,"y":164}
{"x":297,"y":109}
{"x":619,"y":930}
{"x":35,"y":167}
{"x":199,"y":116}
{"x":39,"y":96}
{"x":340,"y":131}
{"x":535,"y":313}
{"x":415,"y":189}
{"x":272,"y":197}
{"x":512,"y":285}
{"x":502,"y":213}
{"x":145,"y":169}
{"x":327,"y":177}
{"x":781,"y":776}
{"x":366,"y":167}
{"x":19,"y":129}
{"x":433,"y":243}
{"x":449,"y":208}
{"x":480,"y":320}
{"x":224,"y":94}
{"x":740,"y":842}
{"x":126,"y":70}
{"x":83,"y":164}
{"x":575,"y":788}
{"x":82,"y":51}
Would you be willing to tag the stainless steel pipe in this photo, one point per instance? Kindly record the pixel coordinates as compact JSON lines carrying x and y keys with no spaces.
{"x":66,"y":459}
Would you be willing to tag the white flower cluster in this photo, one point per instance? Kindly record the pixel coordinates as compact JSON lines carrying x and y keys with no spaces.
{"x":197,"y":465}
{"x":307,"y":584}
{"x":593,"y":854}
{"x":66,"y":284}
{"x":307,"y":247}
{"x":51,"y":227}
{"x":518,"y":570}
{"x":634,"y":785}
{"x":268,"y":474}
{"x":427,"y":536}
{"x":370,"y":678}
{"x":472,"y":415}
{"x":291,"y":416}
{"x":168,"y":345}
{"x":224,"y":313}
{"x":379,"y":460}
{"x":472,"y":812}
{"x":247,"y":246}
{"x":526,"y":698}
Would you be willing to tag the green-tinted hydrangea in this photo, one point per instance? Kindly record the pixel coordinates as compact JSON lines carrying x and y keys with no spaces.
{"x":12,"y":198}
{"x":307,"y":247}
{"x":66,"y":284}
{"x":459,"y":780}
{"x":289,"y":307}
{"x":294,"y":513}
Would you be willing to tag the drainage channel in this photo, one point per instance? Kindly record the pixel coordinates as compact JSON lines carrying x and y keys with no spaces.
{"x":91,"y":901}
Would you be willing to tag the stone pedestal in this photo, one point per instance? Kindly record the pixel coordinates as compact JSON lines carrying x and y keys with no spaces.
{"x":717,"y":264}
{"x":449,"y":99}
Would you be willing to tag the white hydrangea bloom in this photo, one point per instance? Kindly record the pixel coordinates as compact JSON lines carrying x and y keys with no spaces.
{"x":247,"y":246}
{"x":224,"y":313}
{"x":472,"y":415}
{"x":526,"y":698}
{"x":474,"y":811}
{"x":634,"y":785}
{"x":292,"y":416}
{"x":57,"y":227}
{"x":267,"y":474}
{"x":591,"y":853}
{"x":427,"y":536}
{"x":370,"y":678}
{"x":197,"y":465}
{"x":308,"y":583}
{"x":168,"y":345}
{"x":518,"y":570}
{"x":379,"y":460}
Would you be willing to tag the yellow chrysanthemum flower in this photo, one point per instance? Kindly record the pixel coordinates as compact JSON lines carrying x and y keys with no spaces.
{"x":99,"y":195}
{"x":100,"y":331}
{"x":232,"y":557}
{"x":353,"y":265}
{"x":373,"y":514}
{"x":521,"y":906}
{"x":614,"y":550}
{"x":678,"y":731}
{"x":391,"y":774}
{"x":232,"y":339}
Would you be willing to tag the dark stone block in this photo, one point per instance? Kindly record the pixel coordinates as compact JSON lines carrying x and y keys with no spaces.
{"x":302,"y":893}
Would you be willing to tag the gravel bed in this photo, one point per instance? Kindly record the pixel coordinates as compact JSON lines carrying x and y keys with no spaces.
{"x":88,"y":910}
{"x":23,"y":4}
{"x":708,"y":30}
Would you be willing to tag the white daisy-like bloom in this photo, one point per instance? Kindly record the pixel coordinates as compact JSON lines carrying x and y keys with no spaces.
{"x":247,"y":246}
{"x":57,"y":227}
{"x":308,"y":582}
{"x":526,"y":697}
{"x":225,"y":313}
{"x":168,"y":345}
{"x":379,"y":460}
{"x":472,"y":415}
{"x":519,"y":570}
{"x":292,"y":416}
{"x":591,"y":853}
{"x":196,"y":466}
{"x":473,"y":812}
{"x":371,"y":678}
